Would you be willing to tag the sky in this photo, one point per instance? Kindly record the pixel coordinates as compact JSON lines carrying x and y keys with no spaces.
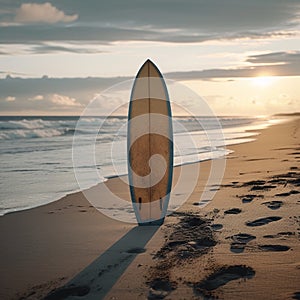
{"x":242,"y":57}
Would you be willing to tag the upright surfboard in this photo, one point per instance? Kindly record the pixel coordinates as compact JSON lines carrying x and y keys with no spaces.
{"x":150,"y":146}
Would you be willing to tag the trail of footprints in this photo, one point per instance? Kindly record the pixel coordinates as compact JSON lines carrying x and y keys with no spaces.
{"x":185,"y":243}
{"x":189,"y":239}
{"x":239,"y":241}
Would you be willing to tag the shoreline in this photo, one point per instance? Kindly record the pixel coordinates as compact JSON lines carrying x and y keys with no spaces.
{"x":60,"y":239}
{"x":236,"y":141}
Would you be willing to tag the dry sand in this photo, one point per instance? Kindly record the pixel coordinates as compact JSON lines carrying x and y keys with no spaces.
{"x":243,"y":245}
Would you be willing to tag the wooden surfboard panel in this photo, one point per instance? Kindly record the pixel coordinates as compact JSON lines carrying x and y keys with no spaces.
{"x":150,"y":146}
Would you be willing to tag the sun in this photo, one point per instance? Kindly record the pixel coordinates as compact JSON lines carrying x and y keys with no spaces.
{"x":263,"y":81}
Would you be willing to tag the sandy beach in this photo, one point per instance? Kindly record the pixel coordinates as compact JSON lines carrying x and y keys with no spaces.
{"x":243,"y":245}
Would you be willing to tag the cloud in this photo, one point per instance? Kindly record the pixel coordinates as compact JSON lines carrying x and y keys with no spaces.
{"x":79,"y":88}
{"x":187,"y":21}
{"x":53,"y":96}
{"x":63,"y":100}
{"x":271,"y":64}
{"x":37,"y":98}
{"x":10,"y":99}
{"x":46,"y":48}
{"x":106,"y":35}
{"x":42,"y":13}
{"x":280,"y":70}
{"x":9,"y":73}
{"x":288,"y":57}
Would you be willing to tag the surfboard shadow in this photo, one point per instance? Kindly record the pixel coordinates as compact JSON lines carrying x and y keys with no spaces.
{"x":96,"y":280}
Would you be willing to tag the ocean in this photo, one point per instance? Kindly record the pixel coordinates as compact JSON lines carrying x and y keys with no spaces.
{"x":37,"y":153}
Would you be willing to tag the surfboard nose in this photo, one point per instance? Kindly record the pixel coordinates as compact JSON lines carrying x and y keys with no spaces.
{"x":149,"y":69}
{"x":148,"y":63}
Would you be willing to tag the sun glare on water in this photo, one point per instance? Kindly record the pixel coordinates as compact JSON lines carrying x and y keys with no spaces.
{"x":263,"y":81}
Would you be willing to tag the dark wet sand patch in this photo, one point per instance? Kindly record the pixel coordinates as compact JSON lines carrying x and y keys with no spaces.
{"x":263,"y":221}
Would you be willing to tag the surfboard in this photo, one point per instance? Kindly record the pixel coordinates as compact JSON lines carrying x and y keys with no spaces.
{"x":150,"y":146}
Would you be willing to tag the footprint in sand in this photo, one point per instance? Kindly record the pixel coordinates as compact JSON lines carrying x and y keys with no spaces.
{"x":279,"y":234}
{"x":254,"y":182}
{"x":239,"y":242}
{"x":276,"y":248}
{"x":249,"y":198}
{"x":232,"y":211}
{"x":221,"y":277}
{"x":262,"y":187}
{"x":273,"y":204}
{"x":292,"y":192}
{"x":216,"y":227}
{"x":263,"y":221}
{"x":160,"y":288}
